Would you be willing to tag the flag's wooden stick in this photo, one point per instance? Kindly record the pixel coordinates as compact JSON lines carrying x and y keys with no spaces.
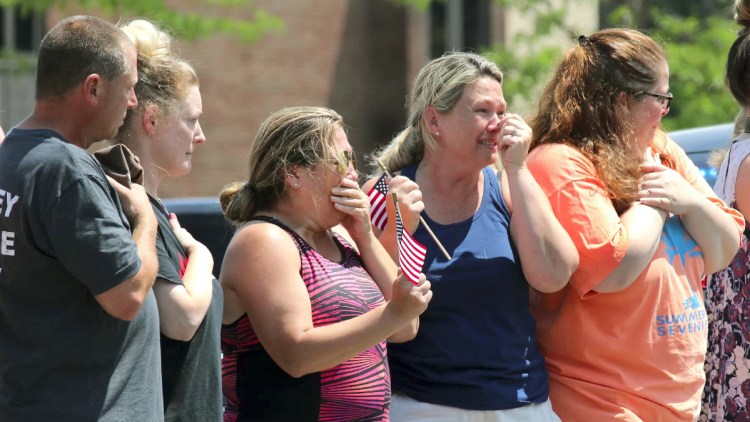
{"x":421,"y":220}
{"x":397,"y":208}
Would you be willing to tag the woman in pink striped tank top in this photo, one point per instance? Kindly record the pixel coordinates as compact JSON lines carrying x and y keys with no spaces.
{"x":308,"y":310}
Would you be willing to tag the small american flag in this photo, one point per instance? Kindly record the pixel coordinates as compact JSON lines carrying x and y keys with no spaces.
{"x":378,"y":210}
{"x":411,"y":253}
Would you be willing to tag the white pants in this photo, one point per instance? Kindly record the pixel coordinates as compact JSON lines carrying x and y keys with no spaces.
{"x":404,"y":409}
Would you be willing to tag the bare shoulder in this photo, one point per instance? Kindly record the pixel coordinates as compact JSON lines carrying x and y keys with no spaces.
{"x":258,"y":245}
{"x":261,"y":231}
{"x":742,"y":187}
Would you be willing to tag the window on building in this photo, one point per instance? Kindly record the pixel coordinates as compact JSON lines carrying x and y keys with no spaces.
{"x":460,"y":25}
{"x":20,"y":30}
{"x":20,"y":35}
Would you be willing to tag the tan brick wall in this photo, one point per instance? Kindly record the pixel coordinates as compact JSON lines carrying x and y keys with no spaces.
{"x":242,"y":83}
{"x":343,"y":54}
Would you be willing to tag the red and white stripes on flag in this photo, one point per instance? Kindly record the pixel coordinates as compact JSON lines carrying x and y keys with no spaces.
{"x":411,"y":254}
{"x":378,"y":210}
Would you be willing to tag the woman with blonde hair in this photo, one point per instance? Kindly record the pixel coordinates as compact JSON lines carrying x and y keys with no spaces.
{"x":308,"y":308}
{"x":728,"y":290}
{"x":163,"y":132}
{"x":475,"y":357}
{"x":626,"y":338}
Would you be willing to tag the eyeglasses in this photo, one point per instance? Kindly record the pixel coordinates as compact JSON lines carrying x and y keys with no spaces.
{"x":664,"y":100}
{"x":344,"y":160}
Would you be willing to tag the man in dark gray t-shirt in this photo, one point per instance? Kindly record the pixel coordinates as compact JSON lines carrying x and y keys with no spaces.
{"x":79,"y":328}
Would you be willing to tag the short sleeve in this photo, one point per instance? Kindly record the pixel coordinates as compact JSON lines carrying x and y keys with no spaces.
{"x":691,"y":173}
{"x":89,"y":234}
{"x":683,"y":165}
{"x":581,"y":204}
{"x":171,"y":261}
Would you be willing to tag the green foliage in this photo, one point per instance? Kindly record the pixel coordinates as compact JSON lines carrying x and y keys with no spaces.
{"x":696,"y":50}
{"x":418,"y":4}
{"x":524,"y":76}
{"x":214,"y":17}
{"x":529,"y":63}
{"x":696,"y":37}
{"x":16,"y":63}
{"x":527,"y":66}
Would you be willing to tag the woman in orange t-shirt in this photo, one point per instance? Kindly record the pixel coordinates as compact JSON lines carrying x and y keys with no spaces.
{"x":626,"y":338}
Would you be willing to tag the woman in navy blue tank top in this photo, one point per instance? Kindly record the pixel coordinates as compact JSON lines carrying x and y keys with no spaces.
{"x":475,"y":356}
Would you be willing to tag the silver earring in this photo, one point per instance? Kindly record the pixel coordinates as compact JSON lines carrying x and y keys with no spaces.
{"x":295,"y":186}
{"x":437,"y":133}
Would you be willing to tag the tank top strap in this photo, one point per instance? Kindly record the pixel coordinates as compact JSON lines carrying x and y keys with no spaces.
{"x":347,"y":250}
{"x":409,"y":171}
{"x":302,"y":245}
{"x":492,"y":189}
{"x":492,"y":182}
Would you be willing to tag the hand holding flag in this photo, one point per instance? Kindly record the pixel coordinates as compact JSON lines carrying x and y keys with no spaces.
{"x":411,"y":253}
{"x":378,"y":212}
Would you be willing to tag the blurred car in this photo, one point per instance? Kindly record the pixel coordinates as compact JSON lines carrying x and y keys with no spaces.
{"x":204,"y":219}
{"x":699,"y":142}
